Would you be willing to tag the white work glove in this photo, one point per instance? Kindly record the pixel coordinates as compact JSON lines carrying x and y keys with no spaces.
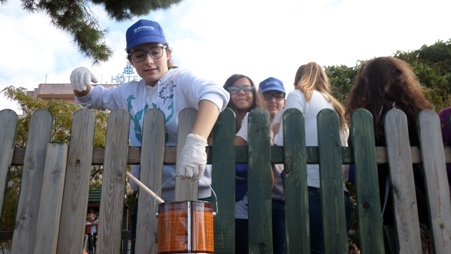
{"x":192,"y":158}
{"x":81,"y":77}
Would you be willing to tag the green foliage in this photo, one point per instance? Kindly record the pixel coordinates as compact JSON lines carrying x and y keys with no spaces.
{"x":76,"y":18}
{"x":10,"y":200}
{"x":62,"y":112}
{"x":121,"y":10}
{"x":341,"y":78}
{"x":432,"y":65}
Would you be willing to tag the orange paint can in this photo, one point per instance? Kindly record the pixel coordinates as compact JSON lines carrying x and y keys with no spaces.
{"x":185,"y":227}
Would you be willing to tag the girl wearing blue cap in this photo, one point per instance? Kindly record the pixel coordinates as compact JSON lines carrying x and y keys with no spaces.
{"x":273,"y":93}
{"x":167,"y":88}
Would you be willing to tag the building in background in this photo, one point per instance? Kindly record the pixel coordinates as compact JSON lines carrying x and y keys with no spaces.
{"x":58,"y":91}
{"x":64,"y":91}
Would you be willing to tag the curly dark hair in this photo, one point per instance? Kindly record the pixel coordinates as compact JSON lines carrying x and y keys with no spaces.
{"x":383,"y":83}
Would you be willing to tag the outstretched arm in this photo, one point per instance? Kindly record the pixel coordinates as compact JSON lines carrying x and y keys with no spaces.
{"x":206,"y":118}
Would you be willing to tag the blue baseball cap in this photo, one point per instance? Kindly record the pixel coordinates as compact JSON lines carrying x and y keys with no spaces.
{"x":271,"y":84}
{"x":144,"y":31}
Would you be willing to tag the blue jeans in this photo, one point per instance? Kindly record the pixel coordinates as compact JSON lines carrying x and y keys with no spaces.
{"x":241,"y":236}
{"x":278,"y":227}
{"x":92,"y":240}
{"x":278,"y":231}
{"x":316,"y":223}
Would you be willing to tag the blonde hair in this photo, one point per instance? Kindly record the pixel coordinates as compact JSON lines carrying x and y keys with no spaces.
{"x":310,"y":77}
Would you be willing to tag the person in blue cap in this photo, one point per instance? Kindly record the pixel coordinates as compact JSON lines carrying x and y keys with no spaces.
{"x":273,"y":93}
{"x":162,"y":86}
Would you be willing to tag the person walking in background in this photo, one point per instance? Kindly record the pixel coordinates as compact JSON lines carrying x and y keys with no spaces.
{"x":384,"y":83}
{"x":311,"y":95}
{"x":92,"y":222}
{"x":243,"y":98}
{"x":165,"y":87}
{"x":273,"y":92}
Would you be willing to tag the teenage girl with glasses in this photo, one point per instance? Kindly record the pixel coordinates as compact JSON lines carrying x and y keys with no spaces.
{"x":243,"y":98}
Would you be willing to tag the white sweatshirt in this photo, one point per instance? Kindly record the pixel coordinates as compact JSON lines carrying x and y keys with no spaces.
{"x":178,"y":89}
{"x":310,"y":110}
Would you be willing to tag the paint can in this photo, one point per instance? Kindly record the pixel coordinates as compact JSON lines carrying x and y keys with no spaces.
{"x":186,"y":226}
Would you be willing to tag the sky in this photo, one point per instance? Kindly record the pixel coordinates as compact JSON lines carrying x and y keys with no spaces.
{"x":219,"y":38}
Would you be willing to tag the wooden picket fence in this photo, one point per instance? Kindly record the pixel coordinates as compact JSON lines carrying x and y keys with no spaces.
{"x":54,"y":191}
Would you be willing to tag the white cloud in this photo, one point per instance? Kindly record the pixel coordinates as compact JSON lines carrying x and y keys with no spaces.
{"x":218,"y":38}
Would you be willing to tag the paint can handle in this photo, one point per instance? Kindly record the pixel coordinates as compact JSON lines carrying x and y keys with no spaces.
{"x":215,"y":211}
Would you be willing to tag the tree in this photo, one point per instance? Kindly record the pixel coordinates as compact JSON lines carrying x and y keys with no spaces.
{"x":432,"y":65}
{"x":76,"y":18}
{"x":62,"y":112}
{"x":341,"y":78}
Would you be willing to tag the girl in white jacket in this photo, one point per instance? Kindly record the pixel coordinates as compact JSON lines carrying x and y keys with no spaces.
{"x":163,"y":86}
{"x":167,"y":88}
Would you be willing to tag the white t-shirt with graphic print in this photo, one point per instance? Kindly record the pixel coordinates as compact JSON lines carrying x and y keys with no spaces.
{"x":178,"y":89}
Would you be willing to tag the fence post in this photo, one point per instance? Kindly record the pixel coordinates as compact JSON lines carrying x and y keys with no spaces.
{"x":295,"y":189}
{"x":151,"y":174}
{"x":113,"y":182}
{"x":259,"y":182}
{"x":76,"y":188}
{"x":331,"y":182}
{"x":366,"y":183}
{"x":437,"y":187}
{"x":39,"y":135}
{"x":402,"y":182}
{"x":223,"y":181}
{"x":51,"y":199}
{"x":8,"y":123}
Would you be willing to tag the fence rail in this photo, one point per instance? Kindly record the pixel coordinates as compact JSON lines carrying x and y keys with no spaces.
{"x":55,"y":182}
